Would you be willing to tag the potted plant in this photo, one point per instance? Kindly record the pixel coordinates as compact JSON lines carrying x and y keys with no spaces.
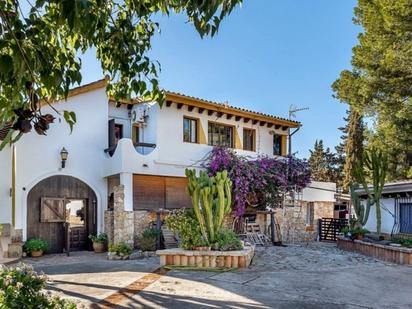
{"x":99,"y":241}
{"x":35,"y":247}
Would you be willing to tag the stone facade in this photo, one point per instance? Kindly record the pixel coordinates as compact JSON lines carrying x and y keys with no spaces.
{"x":119,"y":224}
{"x":294,"y":224}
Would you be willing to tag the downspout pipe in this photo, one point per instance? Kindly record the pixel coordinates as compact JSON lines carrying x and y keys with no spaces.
{"x":290,"y":140}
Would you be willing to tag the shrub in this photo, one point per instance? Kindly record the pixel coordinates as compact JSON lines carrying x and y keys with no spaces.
{"x":148,"y":239}
{"x":121,"y":249}
{"x":35,"y":244}
{"x":354,"y":231}
{"x":21,"y":287}
{"x":404,"y":242}
{"x":183,"y":223}
{"x":99,"y":238}
{"x":228,"y":241}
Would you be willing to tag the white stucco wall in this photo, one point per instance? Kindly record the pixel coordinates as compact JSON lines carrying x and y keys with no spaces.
{"x":5,"y":185}
{"x":164,"y":127}
{"x":387,"y":219}
{"x":38,"y":157}
{"x":318,"y":191}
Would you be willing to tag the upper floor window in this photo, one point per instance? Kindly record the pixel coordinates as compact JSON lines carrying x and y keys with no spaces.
{"x":135,"y":134}
{"x":249,"y":139}
{"x":220,"y":135}
{"x":190,"y":130}
{"x":277,"y":145}
{"x":118,"y":132}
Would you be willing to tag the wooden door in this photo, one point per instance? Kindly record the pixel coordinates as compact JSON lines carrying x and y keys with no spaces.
{"x":46,"y":220}
{"x":76,"y":213}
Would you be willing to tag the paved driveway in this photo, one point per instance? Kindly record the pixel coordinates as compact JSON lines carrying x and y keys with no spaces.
{"x":296,"y":276}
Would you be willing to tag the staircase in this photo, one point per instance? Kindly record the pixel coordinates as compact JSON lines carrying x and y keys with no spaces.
{"x":11,"y":245}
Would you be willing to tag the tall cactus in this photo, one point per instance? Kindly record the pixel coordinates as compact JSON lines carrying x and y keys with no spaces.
{"x":375,"y":165}
{"x":362,"y":212}
{"x":211,"y":199}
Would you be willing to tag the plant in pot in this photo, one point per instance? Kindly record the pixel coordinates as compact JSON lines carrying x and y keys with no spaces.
{"x":99,"y":242}
{"x":35,"y":247}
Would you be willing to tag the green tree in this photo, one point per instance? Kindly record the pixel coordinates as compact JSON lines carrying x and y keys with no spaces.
{"x":40,"y":42}
{"x":378,"y":86}
{"x":324,"y":164}
{"x":353,"y":147}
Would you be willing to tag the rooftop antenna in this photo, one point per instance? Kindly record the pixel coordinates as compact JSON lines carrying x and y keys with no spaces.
{"x":293,"y":109}
{"x":292,"y":114}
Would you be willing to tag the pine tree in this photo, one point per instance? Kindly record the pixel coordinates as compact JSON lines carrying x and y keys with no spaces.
{"x":318,"y":162}
{"x":353,"y":146}
{"x":340,"y":150}
{"x":325,"y":164}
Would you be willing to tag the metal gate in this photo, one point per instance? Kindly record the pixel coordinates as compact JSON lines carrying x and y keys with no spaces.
{"x":329,"y":228}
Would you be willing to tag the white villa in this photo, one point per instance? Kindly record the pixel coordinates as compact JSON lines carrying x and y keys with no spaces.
{"x":136,"y":144}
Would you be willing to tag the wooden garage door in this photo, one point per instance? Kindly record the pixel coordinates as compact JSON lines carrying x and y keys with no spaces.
{"x":154,"y":192}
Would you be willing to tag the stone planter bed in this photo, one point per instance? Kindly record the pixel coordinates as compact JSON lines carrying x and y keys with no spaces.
{"x":398,"y":255}
{"x":206,"y":259}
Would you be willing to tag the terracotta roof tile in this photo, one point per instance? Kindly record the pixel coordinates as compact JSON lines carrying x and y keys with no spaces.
{"x":233,"y":107}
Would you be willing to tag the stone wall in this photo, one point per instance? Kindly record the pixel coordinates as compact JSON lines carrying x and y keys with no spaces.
{"x":119,"y":224}
{"x":293,"y":225}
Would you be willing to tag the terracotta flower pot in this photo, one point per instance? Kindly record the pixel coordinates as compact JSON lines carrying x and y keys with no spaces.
{"x":359,"y":237}
{"x":98,"y":247}
{"x":37,"y":253}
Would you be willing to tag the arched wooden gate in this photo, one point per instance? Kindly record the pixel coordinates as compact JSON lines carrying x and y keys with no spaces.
{"x":56,"y":201}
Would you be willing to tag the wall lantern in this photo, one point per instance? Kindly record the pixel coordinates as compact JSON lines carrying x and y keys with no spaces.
{"x":63,"y":155}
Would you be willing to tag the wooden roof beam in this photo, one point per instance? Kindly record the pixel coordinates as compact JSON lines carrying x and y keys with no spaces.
{"x":237,"y":118}
{"x":262,"y":123}
{"x":169,"y":103}
{"x":179,"y":105}
{"x":255,"y":121}
{"x":270,"y":125}
{"x":190,"y":108}
{"x":200,"y":110}
{"x":229,"y":116}
{"x":210,"y":112}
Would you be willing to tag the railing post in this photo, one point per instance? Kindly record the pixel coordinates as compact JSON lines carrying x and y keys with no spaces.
{"x":320,"y":229}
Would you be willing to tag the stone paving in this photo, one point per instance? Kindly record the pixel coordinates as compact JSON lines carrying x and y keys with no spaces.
{"x":317,"y":275}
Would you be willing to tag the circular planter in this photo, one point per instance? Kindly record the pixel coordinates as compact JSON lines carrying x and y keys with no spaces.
{"x":36,"y":253}
{"x":98,"y":247}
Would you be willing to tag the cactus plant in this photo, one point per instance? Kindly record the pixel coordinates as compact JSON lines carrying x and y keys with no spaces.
{"x":211,"y":199}
{"x":375,"y":165}
{"x":362,"y":212}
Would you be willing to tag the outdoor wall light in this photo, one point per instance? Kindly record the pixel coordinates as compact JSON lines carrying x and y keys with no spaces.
{"x":63,"y":155}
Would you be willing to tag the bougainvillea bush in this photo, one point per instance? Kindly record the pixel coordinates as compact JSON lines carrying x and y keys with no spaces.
{"x":262,"y":182}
